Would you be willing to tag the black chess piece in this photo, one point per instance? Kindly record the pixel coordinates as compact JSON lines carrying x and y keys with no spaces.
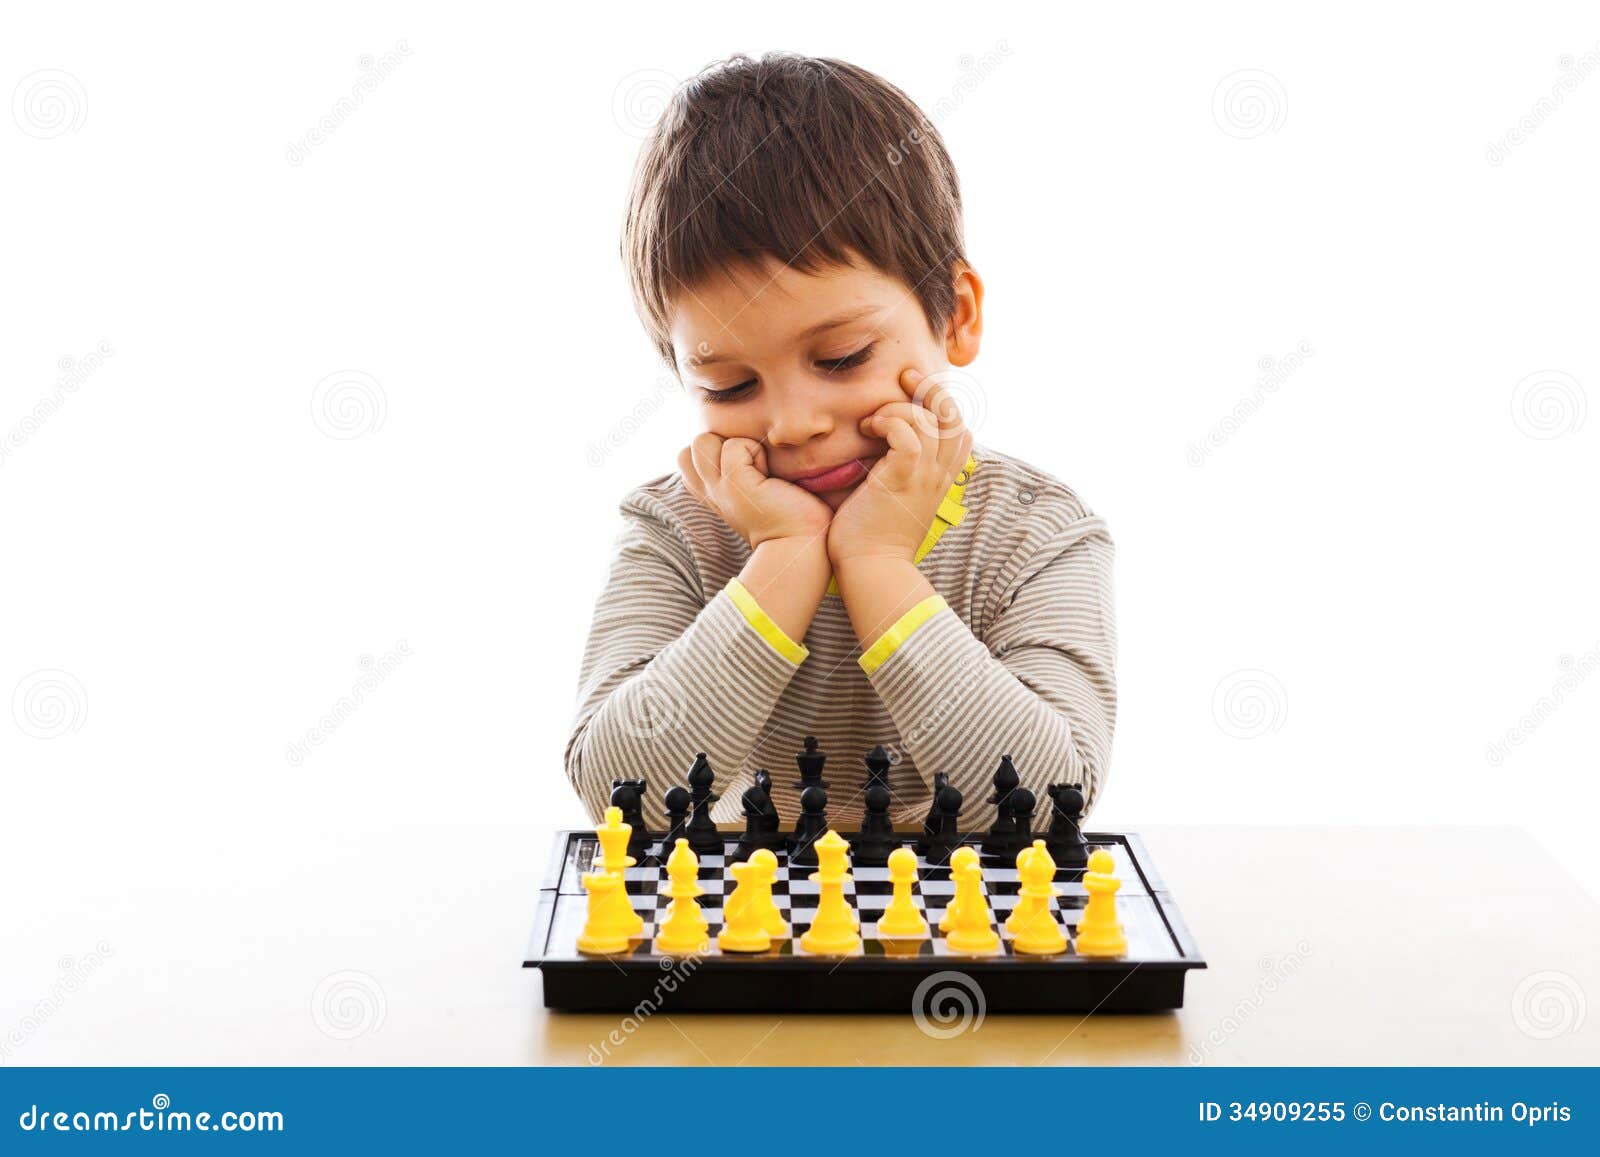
{"x":1023,"y":803}
{"x":811,"y":827}
{"x":760,"y":818}
{"x":704,"y":839}
{"x":941,"y":780}
{"x":628,"y":794}
{"x":870,"y":847}
{"x":940,"y":831}
{"x":677,"y":801}
{"x":810,"y":763}
{"x":877,"y":761}
{"x":1064,"y":841}
{"x":1004,"y":830}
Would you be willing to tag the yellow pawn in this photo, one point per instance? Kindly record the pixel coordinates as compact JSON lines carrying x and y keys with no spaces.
{"x":602,"y":935}
{"x":1034,"y":927}
{"x":755,"y":889}
{"x":1099,"y":930}
{"x":685,"y":929}
{"x":833,"y":931}
{"x":901,"y":917}
{"x":964,"y":855}
{"x":972,"y":931}
{"x":614,"y":860}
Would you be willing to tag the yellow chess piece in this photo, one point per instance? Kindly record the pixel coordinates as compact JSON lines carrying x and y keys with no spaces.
{"x":614,"y":859}
{"x":743,"y":930}
{"x":1099,"y":930}
{"x":901,"y":918}
{"x":602,"y":935}
{"x":684,"y":931}
{"x":972,"y":931}
{"x":755,"y":889}
{"x":1034,"y":928}
{"x":833,"y":931}
{"x":965,"y":854}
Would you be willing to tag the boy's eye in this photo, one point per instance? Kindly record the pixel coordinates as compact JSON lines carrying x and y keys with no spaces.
{"x":849,"y":362}
{"x":732,"y":393}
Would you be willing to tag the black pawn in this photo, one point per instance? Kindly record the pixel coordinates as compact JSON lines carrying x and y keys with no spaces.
{"x":628,"y":794}
{"x":870,"y":848}
{"x":1064,"y":841}
{"x":760,"y":818}
{"x":704,"y":839}
{"x":810,"y":763}
{"x":1023,"y":803}
{"x":812,"y":826}
{"x":1004,"y":828}
{"x":677,"y":800}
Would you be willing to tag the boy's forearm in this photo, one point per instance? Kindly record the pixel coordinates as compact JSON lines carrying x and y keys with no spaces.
{"x":788,"y":577}
{"x":877,"y":592}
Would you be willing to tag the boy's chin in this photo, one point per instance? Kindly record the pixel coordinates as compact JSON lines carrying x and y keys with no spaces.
{"x":835,"y":498}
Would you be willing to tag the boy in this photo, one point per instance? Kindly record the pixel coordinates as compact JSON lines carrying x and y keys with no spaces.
{"x":834,"y":556}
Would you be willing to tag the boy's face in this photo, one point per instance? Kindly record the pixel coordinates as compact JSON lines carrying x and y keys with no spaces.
{"x":795,"y":361}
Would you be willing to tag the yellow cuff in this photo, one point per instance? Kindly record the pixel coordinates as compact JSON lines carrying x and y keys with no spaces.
{"x":762,"y":622}
{"x":890,"y":640}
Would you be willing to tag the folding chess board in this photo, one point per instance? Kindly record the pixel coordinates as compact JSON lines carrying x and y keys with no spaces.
{"x":885,"y":975}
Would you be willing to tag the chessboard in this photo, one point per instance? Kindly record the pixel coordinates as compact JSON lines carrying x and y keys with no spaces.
{"x":884,"y":975}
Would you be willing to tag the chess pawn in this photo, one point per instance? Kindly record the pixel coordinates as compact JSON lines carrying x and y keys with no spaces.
{"x":901,"y":918}
{"x":811,"y":826}
{"x":684,"y":931}
{"x":602,"y":935}
{"x":1099,"y":930}
{"x":972,"y":930}
{"x":876,"y":840}
{"x":833,"y":930}
{"x":677,"y":801}
{"x":1032,"y":924}
{"x":941,"y":835}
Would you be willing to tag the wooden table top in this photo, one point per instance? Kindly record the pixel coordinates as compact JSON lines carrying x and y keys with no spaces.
{"x":402,"y":945}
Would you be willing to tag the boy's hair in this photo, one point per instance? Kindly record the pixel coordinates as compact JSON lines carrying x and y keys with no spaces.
{"x":796,"y":158}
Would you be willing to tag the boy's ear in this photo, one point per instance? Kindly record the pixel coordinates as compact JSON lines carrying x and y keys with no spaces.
{"x":964,"y":330}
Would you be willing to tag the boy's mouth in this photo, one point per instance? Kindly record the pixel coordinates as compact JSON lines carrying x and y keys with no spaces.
{"x":832,"y":478}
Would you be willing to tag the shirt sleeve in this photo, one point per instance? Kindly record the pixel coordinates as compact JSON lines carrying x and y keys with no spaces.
{"x":1040,"y":685}
{"x":668,"y":672}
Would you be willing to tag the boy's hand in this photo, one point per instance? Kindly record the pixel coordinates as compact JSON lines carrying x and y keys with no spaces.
{"x":889,"y":513}
{"x":730,"y":476}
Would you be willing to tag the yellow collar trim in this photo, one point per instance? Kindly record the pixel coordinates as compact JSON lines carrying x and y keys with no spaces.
{"x":950,"y":513}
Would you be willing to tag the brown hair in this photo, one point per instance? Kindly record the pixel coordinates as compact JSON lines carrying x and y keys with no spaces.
{"x":798,"y":158}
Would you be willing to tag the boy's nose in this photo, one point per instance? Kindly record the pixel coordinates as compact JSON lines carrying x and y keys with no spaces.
{"x":797,"y":418}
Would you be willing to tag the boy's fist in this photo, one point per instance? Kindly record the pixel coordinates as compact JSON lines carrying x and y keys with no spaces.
{"x":889,"y":513}
{"x":730,"y":476}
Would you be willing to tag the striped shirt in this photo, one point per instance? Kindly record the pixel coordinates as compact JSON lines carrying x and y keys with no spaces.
{"x":1015,"y":655}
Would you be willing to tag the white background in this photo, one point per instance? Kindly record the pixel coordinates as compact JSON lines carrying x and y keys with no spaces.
{"x":1328,"y":620}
